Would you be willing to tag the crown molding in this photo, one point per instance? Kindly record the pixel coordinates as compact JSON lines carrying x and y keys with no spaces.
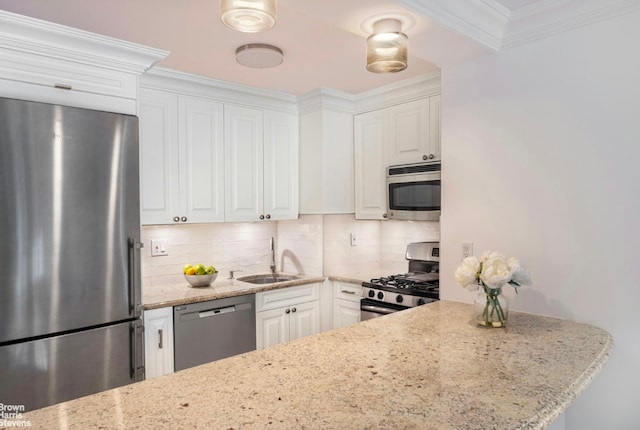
{"x":399,"y":92}
{"x":164,"y":79}
{"x":46,"y":39}
{"x":326,"y":99}
{"x":548,"y":18}
{"x":481,"y":20}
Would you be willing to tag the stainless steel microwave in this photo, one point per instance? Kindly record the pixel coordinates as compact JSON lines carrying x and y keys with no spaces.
{"x":413,"y":192}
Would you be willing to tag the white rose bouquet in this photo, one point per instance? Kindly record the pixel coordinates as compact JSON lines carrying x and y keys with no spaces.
{"x":492,"y":271}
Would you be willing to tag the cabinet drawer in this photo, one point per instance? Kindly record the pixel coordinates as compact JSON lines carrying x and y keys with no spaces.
{"x":287,"y":296}
{"x":347,"y":291}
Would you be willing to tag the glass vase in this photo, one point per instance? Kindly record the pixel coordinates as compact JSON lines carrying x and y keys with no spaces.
{"x":490,"y":308}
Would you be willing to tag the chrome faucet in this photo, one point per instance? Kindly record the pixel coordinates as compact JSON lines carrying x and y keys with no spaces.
{"x":273,"y":257}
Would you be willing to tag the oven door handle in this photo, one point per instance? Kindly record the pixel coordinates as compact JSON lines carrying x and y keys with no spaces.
{"x":377,"y":309}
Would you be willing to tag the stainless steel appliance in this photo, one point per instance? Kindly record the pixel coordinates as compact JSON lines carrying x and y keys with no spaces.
{"x":420,"y":285}
{"x":413,"y":192}
{"x":213,"y":330}
{"x":69,"y":253}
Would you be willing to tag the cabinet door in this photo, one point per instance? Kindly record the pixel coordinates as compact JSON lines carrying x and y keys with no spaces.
{"x":434,"y":126}
{"x":202,"y":162}
{"x":304,"y":319}
{"x":243,"y":137}
{"x":280,"y":165}
{"x":345,"y":312}
{"x":370,"y":147}
{"x":409,"y":133}
{"x":159,"y":154}
{"x":158,"y":342}
{"x":272,"y":327}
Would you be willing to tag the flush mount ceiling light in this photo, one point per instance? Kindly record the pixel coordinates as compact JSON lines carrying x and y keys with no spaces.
{"x":249,"y":16}
{"x":387,"y":47}
{"x":259,"y":55}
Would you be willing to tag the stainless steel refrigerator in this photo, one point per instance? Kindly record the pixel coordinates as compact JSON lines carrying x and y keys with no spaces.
{"x":69,"y":253}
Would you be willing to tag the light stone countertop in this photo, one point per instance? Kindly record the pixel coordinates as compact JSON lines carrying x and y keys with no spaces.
{"x":182,"y":294}
{"x":428,"y":367}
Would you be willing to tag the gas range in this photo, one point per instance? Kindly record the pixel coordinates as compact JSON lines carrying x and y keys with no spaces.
{"x":420,"y":285}
{"x":408,"y":289}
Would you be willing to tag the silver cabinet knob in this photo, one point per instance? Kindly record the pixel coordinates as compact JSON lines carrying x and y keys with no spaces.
{"x":431,"y":156}
{"x":287,"y":311}
{"x":384,"y":215}
{"x":176,"y":219}
{"x":293,"y":310}
{"x":424,"y":157}
{"x":183,"y":219}
{"x":261,"y":216}
{"x":268,"y":216}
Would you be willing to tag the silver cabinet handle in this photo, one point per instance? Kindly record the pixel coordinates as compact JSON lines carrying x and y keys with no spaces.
{"x":63,"y":86}
{"x":384,"y":215}
{"x":431,"y":156}
{"x":347,"y":292}
{"x":160,"y":338}
{"x":176,"y":219}
{"x":183,"y":219}
{"x":293,"y":310}
{"x":261,"y":216}
{"x":287,"y":311}
{"x":268,"y":216}
{"x":424,"y":157}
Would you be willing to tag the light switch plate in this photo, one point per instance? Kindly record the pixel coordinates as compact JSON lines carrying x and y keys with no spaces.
{"x":159,"y":247}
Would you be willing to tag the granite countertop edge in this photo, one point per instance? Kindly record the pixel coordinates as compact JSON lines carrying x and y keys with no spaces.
{"x":182,"y":294}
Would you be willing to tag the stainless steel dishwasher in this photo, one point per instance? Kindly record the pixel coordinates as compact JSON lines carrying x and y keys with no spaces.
{"x":212,"y":330}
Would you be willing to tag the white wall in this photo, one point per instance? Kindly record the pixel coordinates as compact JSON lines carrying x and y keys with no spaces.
{"x":541,"y":160}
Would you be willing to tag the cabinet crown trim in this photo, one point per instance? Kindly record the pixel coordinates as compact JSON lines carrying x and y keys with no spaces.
{"x":35,"y":36}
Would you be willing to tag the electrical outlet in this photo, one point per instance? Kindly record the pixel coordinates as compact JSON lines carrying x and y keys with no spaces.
{"x":353,"y":239}
{"x":467,"y":249}
{"x":159,"y":247}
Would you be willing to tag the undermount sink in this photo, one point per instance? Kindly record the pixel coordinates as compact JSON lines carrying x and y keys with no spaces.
{"x":267,"y":279}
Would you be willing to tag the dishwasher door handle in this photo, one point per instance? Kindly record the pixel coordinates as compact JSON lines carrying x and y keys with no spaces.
{"x":218,"y":311}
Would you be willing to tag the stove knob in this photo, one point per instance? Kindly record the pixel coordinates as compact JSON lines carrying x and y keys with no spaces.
{"x":380,"y":295}
{"x":399,"y":298}
{"x":372,"y":293}
{"x":421,"y":302}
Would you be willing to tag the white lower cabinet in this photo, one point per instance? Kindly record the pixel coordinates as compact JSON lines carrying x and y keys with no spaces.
{"x":346,"y":303}
{"x":158,"y":342}
{"x":286,"y":314}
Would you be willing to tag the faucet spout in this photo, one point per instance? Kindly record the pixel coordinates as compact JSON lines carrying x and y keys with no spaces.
{"x":273,"y":257}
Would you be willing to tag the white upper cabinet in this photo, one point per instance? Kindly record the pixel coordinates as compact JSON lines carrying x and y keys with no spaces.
{"x":261,"y":164}
{"x":434,"y":126}
{"x":181,"y":159}
{"x":280,"y":165}
{"x":409,"y":133}
{"x":406,"y":133}
{"x":370,"y":151}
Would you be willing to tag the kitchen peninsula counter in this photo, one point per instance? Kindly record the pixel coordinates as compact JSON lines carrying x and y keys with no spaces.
{"x":428,"y":367}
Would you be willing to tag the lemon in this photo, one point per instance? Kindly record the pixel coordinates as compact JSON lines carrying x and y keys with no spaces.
{"x":185,"y":268}
{"x":190,"y":271}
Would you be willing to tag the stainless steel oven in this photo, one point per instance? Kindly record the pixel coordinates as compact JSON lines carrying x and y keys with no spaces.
{"x":420,"y":285}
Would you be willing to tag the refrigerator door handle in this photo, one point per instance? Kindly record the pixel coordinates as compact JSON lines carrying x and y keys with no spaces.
{"x":135,"y":304}
{"x":137,"y":351}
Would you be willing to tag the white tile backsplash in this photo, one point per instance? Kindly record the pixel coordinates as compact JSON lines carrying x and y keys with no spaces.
{"x":311,"y":245}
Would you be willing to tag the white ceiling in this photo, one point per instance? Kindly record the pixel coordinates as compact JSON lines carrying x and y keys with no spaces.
{"x":323,"y":40}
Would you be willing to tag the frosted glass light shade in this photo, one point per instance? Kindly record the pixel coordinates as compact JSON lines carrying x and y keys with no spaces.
{"x":387,"y":47}
{"x":249,"y":16}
